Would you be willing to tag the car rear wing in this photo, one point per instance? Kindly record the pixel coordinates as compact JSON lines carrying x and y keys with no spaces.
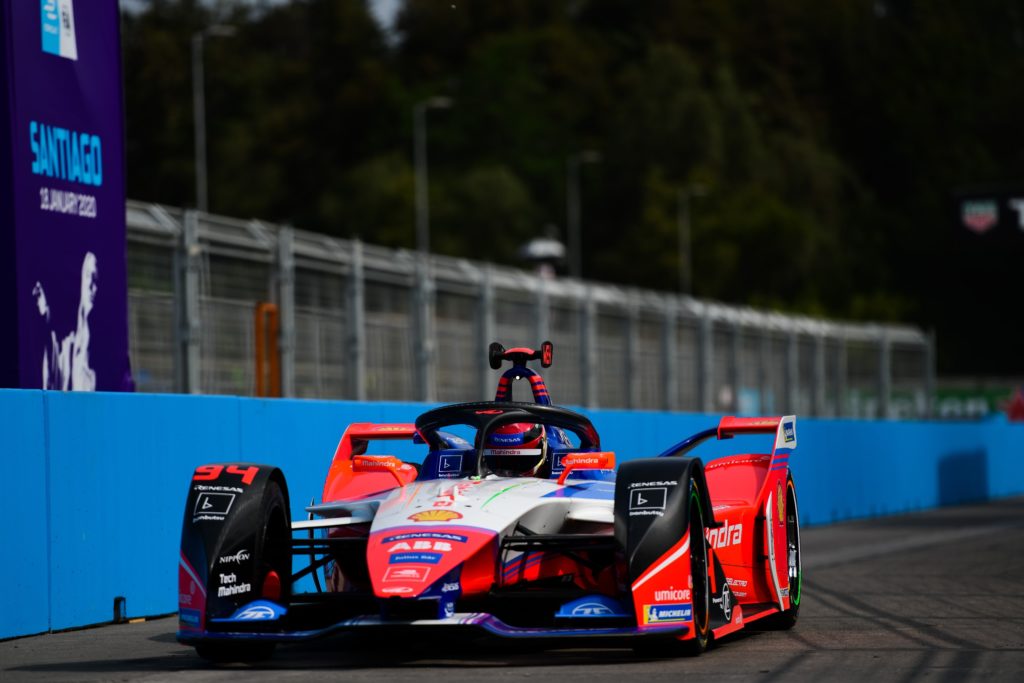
{"x":359,"y":434}
{"x":784,"y":429}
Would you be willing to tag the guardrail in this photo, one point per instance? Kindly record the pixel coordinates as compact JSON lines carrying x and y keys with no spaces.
{"x":94,"y":483}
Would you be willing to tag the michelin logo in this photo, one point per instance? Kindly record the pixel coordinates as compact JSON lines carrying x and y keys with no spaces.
{"x":58,"y":24}
{"x":667,"y":614}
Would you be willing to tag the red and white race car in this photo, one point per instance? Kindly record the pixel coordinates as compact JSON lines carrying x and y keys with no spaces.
{"x":515,"y":522}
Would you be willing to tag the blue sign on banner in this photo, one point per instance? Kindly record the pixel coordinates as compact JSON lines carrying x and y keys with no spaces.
{"x":63,"y":281}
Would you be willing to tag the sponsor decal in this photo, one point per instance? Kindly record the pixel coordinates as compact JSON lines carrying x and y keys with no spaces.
{"x":238,"y":558}
{"x":449,"y":465}
{"x":725,"y":601}
{"x":648,"y":501}
{"x":58,"y":24}
{"x":667,"y":614}
{"x":556,"y":465}
{"x":396,"y":589}
{"x":784,"y":592}
{"x":449,"y":587}
{"x":415,"y":558}
{"x":781,"y":502}
{"x":213,"y":505}
{"x":672,"y":594}
{"x":223,"y":489}
{"x":788,"y":433}
{"x":647,"y":484}
{"x":184,"y":598}
{"x":257,"y":613}
{"x":189,"y":616}
{"x":426,"y":534}
{"x":979,"y":215}
{"x":237,"y":589}
{"x":736,"y":582}
{"x":417,"y":574}
{"x":726,"y":535}
{"x":512,"y":451}
{"x":440,"y":546}
{"x":592,"y":609}
{"x":435,"y":516}
{"x":449,"y":609}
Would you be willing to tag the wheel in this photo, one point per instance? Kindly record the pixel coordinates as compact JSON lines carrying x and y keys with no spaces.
{"x":701,"y":595}
{"x":699,"y":571}
{"x":272,"y":554}
{"x":787,"y":620}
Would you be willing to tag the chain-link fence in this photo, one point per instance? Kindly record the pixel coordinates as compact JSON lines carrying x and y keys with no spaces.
{"x":368,"y":323}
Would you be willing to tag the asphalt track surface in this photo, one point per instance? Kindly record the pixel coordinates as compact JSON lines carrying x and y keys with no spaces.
{"x":936,"y":596}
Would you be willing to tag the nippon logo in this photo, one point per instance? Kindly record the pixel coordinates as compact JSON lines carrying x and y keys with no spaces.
{"x":726,"y":535}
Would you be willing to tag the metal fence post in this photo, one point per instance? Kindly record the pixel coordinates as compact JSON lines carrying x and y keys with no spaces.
{"x":884,"y":375}
{"x":669,"y":355}
{"x":764,"y":351}
{"x":487,"y":327}
{"x":588,"y":350}
{"x":190,"y":320}
{"x":707,"y":363}
{"x":842,"y":407}
{"x":734,"y":367}
{"x":425,"y":342}
{"x":543,"y":312}
{"x":285,"y":276}
{"x":792,"y":374}
{"x":357,"y":323}
{"x":820,"y":402}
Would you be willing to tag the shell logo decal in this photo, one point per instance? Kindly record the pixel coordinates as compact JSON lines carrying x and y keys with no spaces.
{"x":435,"y":516}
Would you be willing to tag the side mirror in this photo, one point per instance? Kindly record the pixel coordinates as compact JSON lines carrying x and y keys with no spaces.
{"x":586,"y":461}
{"x":547,"y":352}
{"x":378,"y":463}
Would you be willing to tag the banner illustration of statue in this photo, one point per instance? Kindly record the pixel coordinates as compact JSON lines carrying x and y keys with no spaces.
{"x":66,"y":360}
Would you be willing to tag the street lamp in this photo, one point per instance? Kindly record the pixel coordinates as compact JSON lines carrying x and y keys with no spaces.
{"x":683,"y":219}
{"x":572,"y":169}
{"x":199,"y":105}
{"x":419,"y":123}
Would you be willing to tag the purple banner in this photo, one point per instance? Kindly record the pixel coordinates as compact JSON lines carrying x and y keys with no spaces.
{"x":64,"y":290}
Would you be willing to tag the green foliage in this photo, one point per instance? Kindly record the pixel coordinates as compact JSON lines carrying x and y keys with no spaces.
{"x":830,"y":136}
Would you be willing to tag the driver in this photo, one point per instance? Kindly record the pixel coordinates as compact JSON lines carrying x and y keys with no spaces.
{"x":516,"y":450}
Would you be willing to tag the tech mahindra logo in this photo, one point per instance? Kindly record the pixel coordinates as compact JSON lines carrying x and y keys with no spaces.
{"x":725,"y":536}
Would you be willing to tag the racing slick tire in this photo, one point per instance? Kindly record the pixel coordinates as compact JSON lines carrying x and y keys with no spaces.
{"x":787,"y":620}
{"x":695,"y":519}
{"x":699,"y":570}
{"x":259,"y":522}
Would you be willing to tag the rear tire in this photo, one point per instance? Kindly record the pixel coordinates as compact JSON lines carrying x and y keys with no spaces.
{"x":787,"y":620}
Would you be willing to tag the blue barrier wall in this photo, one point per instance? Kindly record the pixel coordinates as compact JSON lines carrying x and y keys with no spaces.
{"x":94,"y":483}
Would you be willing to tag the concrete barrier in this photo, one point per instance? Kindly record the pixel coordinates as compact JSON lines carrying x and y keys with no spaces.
{"x":94,"y":483}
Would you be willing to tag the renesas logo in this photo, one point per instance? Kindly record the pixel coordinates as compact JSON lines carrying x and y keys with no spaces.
{"x":726,"y":535}
{"x":66,"y":154}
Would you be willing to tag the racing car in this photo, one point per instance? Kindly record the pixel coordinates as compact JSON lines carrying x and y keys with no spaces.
{"x":515,"y":522}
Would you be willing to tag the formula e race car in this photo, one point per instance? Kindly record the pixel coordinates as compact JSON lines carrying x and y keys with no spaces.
{"x":515,"y":523}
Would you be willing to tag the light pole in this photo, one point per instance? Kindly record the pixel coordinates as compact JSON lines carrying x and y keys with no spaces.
{"x":419,"y":125}
{"x":685,"y":251}
{"x":572,"y":171}
{"x":199,"y":106}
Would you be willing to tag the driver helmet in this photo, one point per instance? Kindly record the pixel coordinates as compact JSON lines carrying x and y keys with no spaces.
{"x":516,"y":450}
